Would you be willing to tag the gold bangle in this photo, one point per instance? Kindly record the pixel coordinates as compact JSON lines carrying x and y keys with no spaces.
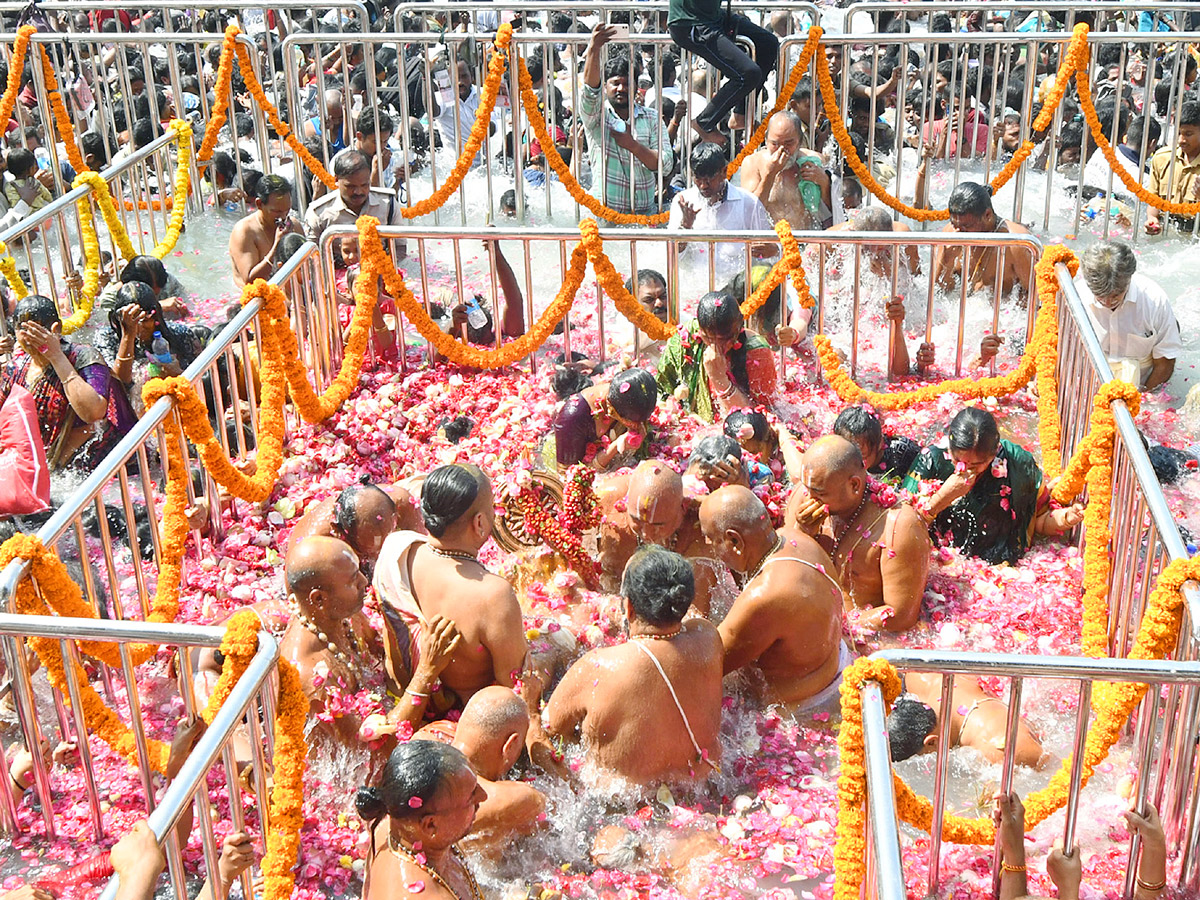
{"x":1151,"y":887}
{"x":1005,"y":867}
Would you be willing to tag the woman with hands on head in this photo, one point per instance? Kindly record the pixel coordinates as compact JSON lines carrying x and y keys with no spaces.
{"x":133,"y":322}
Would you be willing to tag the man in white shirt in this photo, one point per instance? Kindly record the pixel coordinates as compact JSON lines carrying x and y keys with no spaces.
{"x":713,"y":204}
{"x":1131,"y":314}
{"x":455,"y":120}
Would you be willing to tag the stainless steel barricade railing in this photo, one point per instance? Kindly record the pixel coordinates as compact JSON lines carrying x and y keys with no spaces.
{"x":248,"y":709}
{"x":438,"y":257}
{"x":1144,"y":534}
{"x":123,"y":533}
{"x":979,"y":15}
{"x":46,"y":242}
{"x":1164,"y":743}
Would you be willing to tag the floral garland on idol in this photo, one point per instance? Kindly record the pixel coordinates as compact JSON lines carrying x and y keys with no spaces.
{"x":525,"y":496}
{"x":286,"y":815}
{"x":580,"y":506}
{"x":1075,"y":56}
{"x":376,"y":265}
{"x":1043,"y":346}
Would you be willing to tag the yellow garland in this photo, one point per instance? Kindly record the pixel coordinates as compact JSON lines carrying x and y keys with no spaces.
{"x":376,"y":264}
{"x":183,"y":183}
{"x":8,"y":267}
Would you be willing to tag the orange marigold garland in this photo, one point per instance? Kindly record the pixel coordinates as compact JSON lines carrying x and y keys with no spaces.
{"x":849,"y":855}
{"x":62,"y":120}
{"x":220,"y":109}
{"x":376,"y":264}
{"x":614,"y":285}
{"x":16,"y":68}
{"x":1049,"y":427}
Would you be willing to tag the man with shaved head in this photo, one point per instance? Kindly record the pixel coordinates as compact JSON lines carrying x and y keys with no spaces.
{"x":880,"y":549}
{"x":649,"y":507}
{"x":787,"y":621}
{"x":491,"y":734}
{"x":648,"y":710}
{"x":772,"y":173}
{"x":362,"y":515}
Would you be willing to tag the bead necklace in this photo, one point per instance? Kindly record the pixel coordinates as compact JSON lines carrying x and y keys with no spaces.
{"x":762,"y":562}
{"x":651,"y":636}
{"x":837,"y":541}
{"x":321,"y":636}
{"x":402,"y":851}
{"x":454,"y":554}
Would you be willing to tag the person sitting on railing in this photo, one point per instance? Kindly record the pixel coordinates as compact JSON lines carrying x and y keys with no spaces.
{"x":627,"y":143}
{"x":254,"y":239}
{"x":362,"y":515}
{"x":650,"y":507}
{"x":82,"y":407}
{"x":977,"y":720}
{"x":423,"y":577}
{"x":672,"y":666}
{"x":1175,"y":171}
{"x":885,"y":456}
{"x":719,"y":364}
{"x":787,"y":620}
{"x":604,"y":423}
{"x":713,"y":204}
{"x":971,"y":213}
{"x":982,"y":494}
{"x":1132,"y":315}
{"x":880,"y":547}
{"x":425,"y":802}
{"x":130,"y":343}
{"x":148,"y":270}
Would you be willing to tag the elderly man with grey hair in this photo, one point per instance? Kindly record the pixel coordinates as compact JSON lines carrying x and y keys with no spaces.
{"x":1131,"y":314}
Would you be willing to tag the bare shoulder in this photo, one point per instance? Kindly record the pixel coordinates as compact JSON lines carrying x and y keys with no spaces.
{"x":908,"y":524}
{"x":703,"y":630}
{"x":1017,"y":228}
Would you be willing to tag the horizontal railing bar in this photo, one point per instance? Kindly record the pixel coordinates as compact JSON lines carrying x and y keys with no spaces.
{"x":117,"y":631}
{"x":1027,"y":666}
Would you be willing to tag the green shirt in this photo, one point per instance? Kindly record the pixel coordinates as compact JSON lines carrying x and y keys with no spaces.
{"x":694,"y":12}
{"x":994,"y":520}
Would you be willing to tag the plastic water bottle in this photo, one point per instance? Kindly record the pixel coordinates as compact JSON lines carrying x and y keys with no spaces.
{"x":476,"y":317}
{"x":160,"y":350}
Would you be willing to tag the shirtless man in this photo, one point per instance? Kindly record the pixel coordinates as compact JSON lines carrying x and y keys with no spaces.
{"x":326,"y":587}
{"x":978,"y":720}
{"x":418,"y":577}
{"x":772,"y":174}
{"x":787,"y":620}
{"x":362,"y":515}
{"x":649,"y":507}
{"x":881,"y":554}
{"x":673,"y":670}
{"x":491,"y":734}
{"x":254,"y":238}
{"x":971,"y":212}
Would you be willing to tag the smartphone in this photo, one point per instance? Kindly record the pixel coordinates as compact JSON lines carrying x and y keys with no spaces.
{"x":620,"y":32}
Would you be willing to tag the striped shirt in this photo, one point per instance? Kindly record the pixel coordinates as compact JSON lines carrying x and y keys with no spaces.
{"x":613,"y":167}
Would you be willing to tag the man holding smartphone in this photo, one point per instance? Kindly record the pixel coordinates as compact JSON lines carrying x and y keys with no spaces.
{"x":710,"y":32}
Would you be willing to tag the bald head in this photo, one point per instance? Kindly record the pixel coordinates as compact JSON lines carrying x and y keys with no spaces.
{"x":834,"y":455}
{"x":734,"y":507}
{"x":492,"y":730}
{"x":311,"y":562}
{"x":654,"y":502}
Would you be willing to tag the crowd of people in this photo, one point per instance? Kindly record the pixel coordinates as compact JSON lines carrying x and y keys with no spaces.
{"x":710,"y":581}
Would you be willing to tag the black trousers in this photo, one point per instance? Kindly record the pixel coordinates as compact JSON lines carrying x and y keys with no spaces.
{"x":743,"y":74}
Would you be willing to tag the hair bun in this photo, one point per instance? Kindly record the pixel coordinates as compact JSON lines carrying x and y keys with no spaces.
{"x":368,"y":802}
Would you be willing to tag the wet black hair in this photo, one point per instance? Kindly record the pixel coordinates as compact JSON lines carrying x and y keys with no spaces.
{"x":21,"y":162}
{"x":659,"y":585}
{"x":93,"y":144}
{"x":457,"y":429}
{"x":567,"y":382}
{"x":855,"y":422}
{"x":974,"y":429}
{"x":415,"y":770}
{"x":448,"y":494}
{"x":909,"y":724}
{"x":633,"y":394}
{"x":345,"y":507}
{"x":970,"y":199}
{"x":714,"y":449}
{"x":287,"y":247}
{"x":707,"y":160}
{"x":718,"y":313}
{"x":756,"y":420}
{"x":37,"y":308}
{"x":146,"y":269}
{"x":1169,"y":463}
{"x":270,"y":186}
